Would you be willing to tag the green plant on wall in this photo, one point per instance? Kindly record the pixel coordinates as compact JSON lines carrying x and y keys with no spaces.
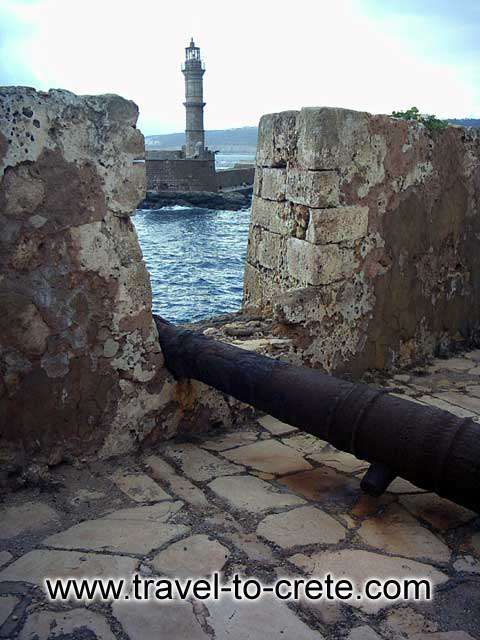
{"x":430,"y":121}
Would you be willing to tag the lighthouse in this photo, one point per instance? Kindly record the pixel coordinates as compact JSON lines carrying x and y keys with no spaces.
{"x":193,"y":71}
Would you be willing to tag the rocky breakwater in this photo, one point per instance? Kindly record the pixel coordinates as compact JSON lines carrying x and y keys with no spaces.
{"x":81,"y":369}
{"x":229,"y":201}
{"x":364,"y":239}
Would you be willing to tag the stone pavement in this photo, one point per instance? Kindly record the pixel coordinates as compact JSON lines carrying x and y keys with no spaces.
{"x":267,"y":501}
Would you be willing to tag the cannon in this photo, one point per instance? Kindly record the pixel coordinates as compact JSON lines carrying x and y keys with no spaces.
{"x":434,"y":449}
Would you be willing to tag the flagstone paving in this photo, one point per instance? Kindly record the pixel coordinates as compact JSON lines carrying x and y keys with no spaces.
{"x":266,"y":501}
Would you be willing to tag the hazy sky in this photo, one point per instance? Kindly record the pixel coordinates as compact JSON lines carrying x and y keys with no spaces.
{"x":261,"y":55}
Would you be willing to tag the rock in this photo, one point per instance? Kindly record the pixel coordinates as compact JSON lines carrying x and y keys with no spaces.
{"x":266,"y":618}
{"x":231,"y":201}
{"x":276,"y":427}
{"x":402,"y":377}
{"x":251,"y":494}
{"x":268,"y":456}
{"x":302,"y":526}
{"x":242,"y":329}
{"x":29,"y":517}
{"x":358,"y":566}
{"x":74,"y":282}
{"x":139,"y":487}
{"x":396,"y":532}
{"x":192,"y":557}
{"x":198,"y":464}
{"x":170,"y":619}
{"x":34,"y":566}
{"x":182,"y":487}
{"x":44,"y":625}
{"x":440,"y":513}
{"x":56,"y":457}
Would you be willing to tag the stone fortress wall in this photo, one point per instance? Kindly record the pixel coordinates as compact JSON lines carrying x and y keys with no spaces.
{"x":363,"y":252}
{"x":177,"y":173}
{"x":81,"y":369}
{"x":365,"y":236}
{"x":172,"y":171}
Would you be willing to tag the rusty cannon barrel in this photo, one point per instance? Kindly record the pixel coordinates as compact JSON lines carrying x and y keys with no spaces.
{"x":434,"y":449}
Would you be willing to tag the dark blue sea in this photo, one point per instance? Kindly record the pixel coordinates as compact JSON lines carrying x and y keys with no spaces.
{"x":195,"y":256}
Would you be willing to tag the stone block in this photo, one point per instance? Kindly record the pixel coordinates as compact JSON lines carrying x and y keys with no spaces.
{"x":36,"y":565}
{"x":317,"y":189}
{"x":311,"y":264}
{"x":340,"y":224}
{"x":276,"y":139}
{"x":198,"y":464}
{"x":140,"y":487}
{"x":276,"y":427}
{"x":274,"y":183}
{"x":267,"y":250}
{"x":359,"y":566}
{"x":398,"y":533}
{"x":248,"y":493}
{"x":104,"y":534}
{"x":44,"y":625}
{"x":329,"y":138}
{"x":192,"y":557}
{"x":183,"y":488}
{"x":153,"y":620}
{"x":29,"y":517}
{"x":266,"y":618}
{"x":271,"y":215}
{"x":302,"y":526}
{"x":269,"y":456}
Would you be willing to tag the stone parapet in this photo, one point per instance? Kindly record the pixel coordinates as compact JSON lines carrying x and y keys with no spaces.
{"x":376,"y":260}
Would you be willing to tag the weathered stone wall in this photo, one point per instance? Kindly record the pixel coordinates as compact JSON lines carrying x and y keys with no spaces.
{"x":235,"y":177}
{"x":181,"y":174}
{"x":365,"y":236}
{"x":80,"y":364}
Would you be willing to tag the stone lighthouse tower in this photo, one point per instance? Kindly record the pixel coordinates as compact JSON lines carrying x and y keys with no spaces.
{"x":193,"y":71}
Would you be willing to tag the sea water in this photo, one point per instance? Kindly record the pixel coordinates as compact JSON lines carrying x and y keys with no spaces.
{"x":195,"y":258}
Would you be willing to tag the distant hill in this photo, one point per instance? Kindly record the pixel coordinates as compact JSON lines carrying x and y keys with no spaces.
{"x":465,"y":122}
{"x":243,"y":139}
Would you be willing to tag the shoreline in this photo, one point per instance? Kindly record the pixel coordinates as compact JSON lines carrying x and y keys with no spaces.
{"x":233,"y":200}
